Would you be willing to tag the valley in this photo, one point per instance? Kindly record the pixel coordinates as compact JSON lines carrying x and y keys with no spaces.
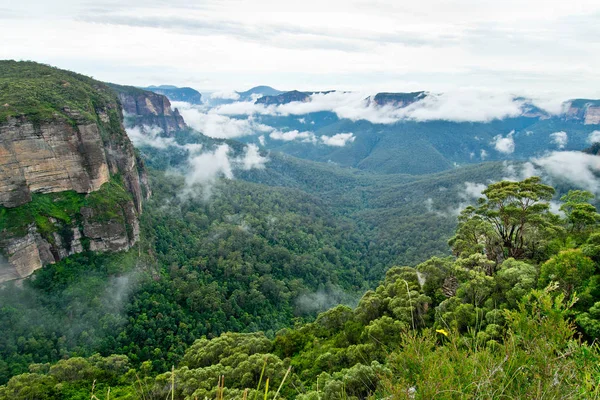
{"x":339,"y":244}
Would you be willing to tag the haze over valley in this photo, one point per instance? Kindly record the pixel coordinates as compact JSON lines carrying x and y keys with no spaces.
{"x":344,"y":200}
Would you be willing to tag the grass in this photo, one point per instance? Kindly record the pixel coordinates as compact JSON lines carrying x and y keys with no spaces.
{"x":64,"y":208}
{"x":41,"y":92}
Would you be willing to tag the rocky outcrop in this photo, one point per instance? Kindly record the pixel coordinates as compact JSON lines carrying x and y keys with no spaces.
{"x":112,"y":235}
{"x":70,"y":157}
{"x":284,"y":98}
{"x":175,"y":93}
{"x":26,"y":254}
{"x":585,"y":110}
{"x":142,"y":107}
{"x":397,"y":99}
{"x":52,"y":157}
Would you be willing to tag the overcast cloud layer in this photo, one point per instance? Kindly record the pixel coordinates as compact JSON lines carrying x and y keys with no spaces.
{"x":438,"y":45}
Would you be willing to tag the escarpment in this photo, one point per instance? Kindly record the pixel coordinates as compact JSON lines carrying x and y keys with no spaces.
{"x":142,"y":107}
{"x":584,"y":110}
{"x":70,"y":180}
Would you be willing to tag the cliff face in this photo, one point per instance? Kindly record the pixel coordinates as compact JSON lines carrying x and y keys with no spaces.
{"x":52,"y":157}
{"x":284,"y":98}
{"x":69,"y":177}
{"x":397,"y":99}
{"x":584,"y":110}
{"x":147,"y":108}
{"x":174,"y":93}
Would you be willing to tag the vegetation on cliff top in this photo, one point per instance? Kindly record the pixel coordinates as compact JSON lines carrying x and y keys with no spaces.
{"x":42,"y":93}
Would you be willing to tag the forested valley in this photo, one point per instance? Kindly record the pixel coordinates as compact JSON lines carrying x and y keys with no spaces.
{"x":224,"y":292}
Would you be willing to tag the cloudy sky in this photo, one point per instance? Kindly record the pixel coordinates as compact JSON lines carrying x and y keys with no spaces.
{"x":525,"y":47}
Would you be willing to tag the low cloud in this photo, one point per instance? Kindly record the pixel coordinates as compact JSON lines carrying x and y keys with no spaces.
{"x":225,"y":95}
{"x":220,"y":126}
{"x":473,"y":190}
{"x":594,"y":137}
{"x":322,"y":300}
{"x":306,"y":136}
{"x":580,"y":169}
{"x":252,"y":158}
{"x":149,"y":136}
{"x":483,"y":154}
{"x":457,"y":106}
{"x":204,"y":169}
{"x":338,"y":140}
{"x":560,"y":139}
{"x":468,"y":193}
{"x":503,"y":144}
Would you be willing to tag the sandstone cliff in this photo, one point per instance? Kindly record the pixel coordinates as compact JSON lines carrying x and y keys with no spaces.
{"x":175,"y":93}
{"x":69,"y":177}
{"x":397,"y":99}
{"x":587,"y":111}
{"x":284,"y":98}
{"x":142,"y":107}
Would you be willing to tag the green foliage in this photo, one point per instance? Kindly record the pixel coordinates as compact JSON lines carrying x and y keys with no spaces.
{"x":42,"y":93}
{"x":469,"y":326}
{"x":61,"y":211}
{"x":511,"y":220}
{"x":570,"y":270}
{"x":579,"y":212}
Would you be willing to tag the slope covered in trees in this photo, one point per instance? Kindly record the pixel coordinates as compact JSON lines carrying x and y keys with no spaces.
{"x":513,"y":313}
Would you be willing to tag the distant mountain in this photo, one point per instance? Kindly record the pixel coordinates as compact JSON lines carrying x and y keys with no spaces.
{"x":397,"y":99}
{"x":585,"y":110}
{"x":284,"y":98}
{"x":259,"y":90}
{"x":288,"y":97}
{"x":175,"y":93}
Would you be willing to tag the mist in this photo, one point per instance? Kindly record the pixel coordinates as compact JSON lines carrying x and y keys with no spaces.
{"x":465,"y":105}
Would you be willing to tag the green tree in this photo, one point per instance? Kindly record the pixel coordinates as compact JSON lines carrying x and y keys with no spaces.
{"x":512,"y":215}
{"x":580,"y":214}
{"x":570,"y":269}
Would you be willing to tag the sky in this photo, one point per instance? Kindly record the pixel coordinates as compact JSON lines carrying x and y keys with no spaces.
{"x":523,"y":47}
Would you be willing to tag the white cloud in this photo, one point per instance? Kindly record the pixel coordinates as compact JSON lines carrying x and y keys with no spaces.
{"x":261,"y":140}
{"x":483,"y":154}
{"x":503,"y":144}
{"x":225,"y":95}
{"x":560,"y":139}
{"x":307,"y":137}
{"x":432,"y":45}
{"x":208,"y":166}
{"x":338,"y":140}
{"x":204,"y":169}
{"x":458,"y":106}
{"x":529,"y":170}
{"x":594,"y":137}
{"x":473,"y":190}
{"x":252,"y":158}
{"x":581,"y":169}
{"x":149,"y":136}
{"x":219,"y":126}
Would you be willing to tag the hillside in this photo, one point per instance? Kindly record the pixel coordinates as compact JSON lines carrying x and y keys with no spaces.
{"x":175,"y":93}
{"x":444,"y":325}
{"x":378,"y":268}
{"x":69,"y":176}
